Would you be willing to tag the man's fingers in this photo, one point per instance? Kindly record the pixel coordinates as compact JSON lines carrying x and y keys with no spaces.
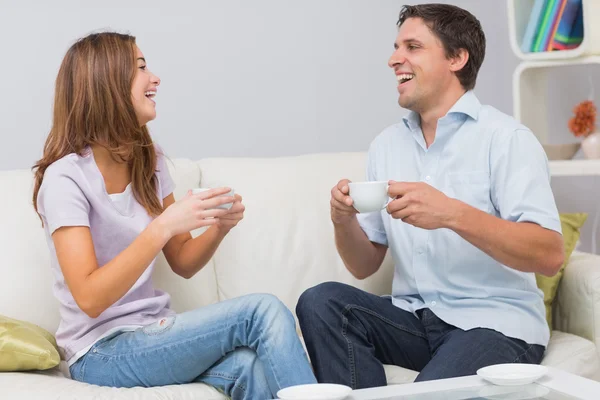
{"x":397,"y":205}
{"x":400,"y":188}
{"x":342,"y":186}
{"x":342,"y":206}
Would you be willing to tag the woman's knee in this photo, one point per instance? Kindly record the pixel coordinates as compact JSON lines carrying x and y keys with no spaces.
{"x":269,"y":307}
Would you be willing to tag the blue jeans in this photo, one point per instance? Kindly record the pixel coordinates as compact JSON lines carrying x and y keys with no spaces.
{"x":246,"y":347}
{"x":350,"y":334}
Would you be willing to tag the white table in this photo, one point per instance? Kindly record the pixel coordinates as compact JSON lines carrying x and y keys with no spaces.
{"x":556,"y":385}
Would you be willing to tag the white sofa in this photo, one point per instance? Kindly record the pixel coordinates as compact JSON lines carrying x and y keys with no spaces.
{"x":283,"y":246}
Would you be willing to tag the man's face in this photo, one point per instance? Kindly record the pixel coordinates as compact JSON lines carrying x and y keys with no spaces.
{"x":420,"y":64}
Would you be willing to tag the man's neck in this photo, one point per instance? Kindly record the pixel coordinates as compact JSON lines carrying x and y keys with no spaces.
{"x":430,"y":117}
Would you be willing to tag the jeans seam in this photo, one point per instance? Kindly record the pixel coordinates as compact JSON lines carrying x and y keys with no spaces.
{"x":350,"y":307}
{"x":229,"y":378}
{"x":350,"y":352}
{"x":523,"y":354}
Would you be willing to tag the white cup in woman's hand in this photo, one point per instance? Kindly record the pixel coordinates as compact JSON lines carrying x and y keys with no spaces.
{"x":226,"y":206}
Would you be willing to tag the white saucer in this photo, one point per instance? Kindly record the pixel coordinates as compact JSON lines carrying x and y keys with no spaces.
{"x":512,"y":374}
{"x":315,"y":391}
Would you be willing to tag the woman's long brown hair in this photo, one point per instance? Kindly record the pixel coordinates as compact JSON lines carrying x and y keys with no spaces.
{"x":93,"y":106}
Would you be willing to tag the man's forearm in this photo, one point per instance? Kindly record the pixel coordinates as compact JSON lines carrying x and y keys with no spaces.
{"x":361,"y":257}
{"x":522,"y":246}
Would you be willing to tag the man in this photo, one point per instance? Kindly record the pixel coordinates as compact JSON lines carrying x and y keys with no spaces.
{"x":471,"y":218}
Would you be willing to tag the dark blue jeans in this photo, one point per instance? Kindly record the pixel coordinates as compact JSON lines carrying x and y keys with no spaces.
{"x":350,"y":334}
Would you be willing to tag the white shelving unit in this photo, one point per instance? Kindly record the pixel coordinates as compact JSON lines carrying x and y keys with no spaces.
{"x":530,"y":82}
{"x":530,"y":79}
{"x":518,"y":17}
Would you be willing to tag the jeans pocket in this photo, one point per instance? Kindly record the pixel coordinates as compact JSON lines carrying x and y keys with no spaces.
{"x":160,"y":326}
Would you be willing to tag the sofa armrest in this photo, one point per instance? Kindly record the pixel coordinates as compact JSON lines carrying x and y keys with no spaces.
{"x":577,"y":303}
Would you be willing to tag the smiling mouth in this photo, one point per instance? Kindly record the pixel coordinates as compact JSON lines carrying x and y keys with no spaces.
{"x":403,"y":78}
{"x":150,"y":94}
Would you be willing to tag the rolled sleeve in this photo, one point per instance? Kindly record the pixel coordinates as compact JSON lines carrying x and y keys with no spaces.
{"x":521,"y":189}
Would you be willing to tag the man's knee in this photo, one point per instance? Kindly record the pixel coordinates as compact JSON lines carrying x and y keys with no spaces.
{"x":317,"y":300}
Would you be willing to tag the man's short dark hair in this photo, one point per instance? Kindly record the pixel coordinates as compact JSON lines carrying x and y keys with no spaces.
{"x":456,"y":29}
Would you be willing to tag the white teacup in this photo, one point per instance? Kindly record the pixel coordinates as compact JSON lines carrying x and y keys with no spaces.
{"x":369,"y":196}
{"x":226,"y":206}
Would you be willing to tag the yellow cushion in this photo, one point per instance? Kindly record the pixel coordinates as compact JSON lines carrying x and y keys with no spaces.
{"x":571,"y":225}
{"x":25,"y":346}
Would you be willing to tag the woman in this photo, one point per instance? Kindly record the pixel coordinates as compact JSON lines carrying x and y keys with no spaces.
{"x":104,"y":194}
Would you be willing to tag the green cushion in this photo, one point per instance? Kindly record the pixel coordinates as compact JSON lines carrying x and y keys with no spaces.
{"x":25,"y":346}
{"x":571,"y":225}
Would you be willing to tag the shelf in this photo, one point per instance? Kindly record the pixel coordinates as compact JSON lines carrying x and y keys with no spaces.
{"x":574,"y":168}
{"x":518,"y":18}
{"x":530,"y":91}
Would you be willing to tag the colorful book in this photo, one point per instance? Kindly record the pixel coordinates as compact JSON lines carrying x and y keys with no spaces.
{"x":567,"y":35}
{"x":555,"y":23}
{"x":532,"y":26}
{"x":546,"y":26}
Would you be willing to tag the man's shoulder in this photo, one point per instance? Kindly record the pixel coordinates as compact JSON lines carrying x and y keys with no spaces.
{"x":501,"y":122}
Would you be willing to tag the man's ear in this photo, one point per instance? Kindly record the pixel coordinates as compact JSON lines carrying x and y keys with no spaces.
{"x":459,"y":61}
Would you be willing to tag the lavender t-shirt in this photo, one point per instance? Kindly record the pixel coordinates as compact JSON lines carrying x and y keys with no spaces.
{"x":73,"y":194}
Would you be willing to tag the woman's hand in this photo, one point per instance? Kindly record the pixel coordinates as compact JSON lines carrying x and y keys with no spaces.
{"x":195,"y":211}
{"x":232,"y":216}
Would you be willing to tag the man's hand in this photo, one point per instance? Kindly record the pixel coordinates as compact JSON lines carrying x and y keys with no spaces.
{"x":420,"y":205}
{"x":341,"y":203}
{"x":234,"y":215}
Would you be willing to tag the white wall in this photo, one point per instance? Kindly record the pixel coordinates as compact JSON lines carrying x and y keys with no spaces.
{"x":239,"y":77}
{"x":253,"y":77}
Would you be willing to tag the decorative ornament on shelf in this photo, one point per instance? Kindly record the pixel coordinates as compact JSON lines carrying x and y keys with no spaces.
{"x":583,"y":124}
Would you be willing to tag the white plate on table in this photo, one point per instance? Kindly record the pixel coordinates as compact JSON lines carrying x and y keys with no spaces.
{"x":315,"y":391}
{"x":512,"y":374}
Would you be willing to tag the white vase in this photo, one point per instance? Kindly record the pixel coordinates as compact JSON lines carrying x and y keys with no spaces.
{"x":591,"y":145}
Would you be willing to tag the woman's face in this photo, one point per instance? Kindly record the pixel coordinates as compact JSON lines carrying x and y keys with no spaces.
{"x":143,"y":90}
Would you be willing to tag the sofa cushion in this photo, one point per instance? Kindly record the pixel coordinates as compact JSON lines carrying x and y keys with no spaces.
{"x":52,"y":385}
{"x":287,"y":249}
{"x":25,"y":346}
{"x":570,"y":225}
{"x":573,"y":354}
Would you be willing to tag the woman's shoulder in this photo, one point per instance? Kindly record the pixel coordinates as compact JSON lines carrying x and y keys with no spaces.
{"x":70,"y":166}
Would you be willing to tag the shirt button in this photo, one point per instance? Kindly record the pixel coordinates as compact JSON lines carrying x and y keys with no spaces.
{"x":433,"y":303}
{"x":428,"y":178}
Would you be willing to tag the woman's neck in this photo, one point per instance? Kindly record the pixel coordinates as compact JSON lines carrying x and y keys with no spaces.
{"x":116,"y":174}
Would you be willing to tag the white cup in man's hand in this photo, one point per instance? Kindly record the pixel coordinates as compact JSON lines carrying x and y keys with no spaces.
{"x":226,"y":206}
{"x":369,"y":196}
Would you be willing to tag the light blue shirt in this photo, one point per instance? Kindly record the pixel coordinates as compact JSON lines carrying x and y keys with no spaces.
{"x":489,"y":161}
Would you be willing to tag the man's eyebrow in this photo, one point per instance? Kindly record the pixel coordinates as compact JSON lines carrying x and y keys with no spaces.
{"x":407,"y":41}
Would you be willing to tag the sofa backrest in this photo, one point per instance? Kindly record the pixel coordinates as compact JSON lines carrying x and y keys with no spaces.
{"x":25,"y":273}
{"x":285,"y":244}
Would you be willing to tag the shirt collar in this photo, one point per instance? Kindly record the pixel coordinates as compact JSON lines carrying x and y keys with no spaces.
{"x":468,"y":104}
